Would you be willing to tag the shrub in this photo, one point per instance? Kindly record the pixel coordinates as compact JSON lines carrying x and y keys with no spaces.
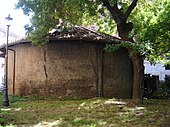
{"x":163,"y":90}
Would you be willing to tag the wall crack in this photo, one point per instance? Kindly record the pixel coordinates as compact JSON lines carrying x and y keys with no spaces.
{"x":45,"y":71}
{"x":45,"y":59}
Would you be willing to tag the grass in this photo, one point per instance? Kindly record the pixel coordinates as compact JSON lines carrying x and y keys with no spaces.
{"x":97,"y":112}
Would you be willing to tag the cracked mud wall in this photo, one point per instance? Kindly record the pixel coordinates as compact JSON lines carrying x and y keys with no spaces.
{"x":69,"y":69}
{"x":61,"y":70}
{"x":117,"y":74}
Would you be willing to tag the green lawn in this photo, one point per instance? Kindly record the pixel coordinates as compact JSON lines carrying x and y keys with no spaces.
{"x":97,"y":112}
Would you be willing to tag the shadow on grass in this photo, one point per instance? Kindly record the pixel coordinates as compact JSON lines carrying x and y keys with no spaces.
{"x":96,"y":112}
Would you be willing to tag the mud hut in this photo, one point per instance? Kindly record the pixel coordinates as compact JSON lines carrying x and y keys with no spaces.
{"x":72,"y":64}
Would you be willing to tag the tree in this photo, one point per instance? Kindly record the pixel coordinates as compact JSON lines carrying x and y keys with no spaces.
{"x":153,"y":29}
{"x":47,"y":14}
{"x":157,"y":34}
{"x":120,"y":16}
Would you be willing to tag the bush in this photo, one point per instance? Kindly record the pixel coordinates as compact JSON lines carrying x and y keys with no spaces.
{"x":163,"y":90}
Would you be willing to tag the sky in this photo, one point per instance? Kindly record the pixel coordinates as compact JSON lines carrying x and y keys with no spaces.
{"x":19,"y":19}
{"x":17,"y":26}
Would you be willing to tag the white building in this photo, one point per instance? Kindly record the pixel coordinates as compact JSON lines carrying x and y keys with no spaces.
{"x":157,"y":70}
{"x":3,"y":37}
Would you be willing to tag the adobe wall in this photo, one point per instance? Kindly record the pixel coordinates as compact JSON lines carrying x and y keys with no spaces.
{"x":61,"y":69}
{"x":69,"y":69}
{"x":117,"y":74}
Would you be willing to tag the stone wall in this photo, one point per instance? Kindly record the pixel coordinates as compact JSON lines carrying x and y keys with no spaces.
{"x":69,"y":69}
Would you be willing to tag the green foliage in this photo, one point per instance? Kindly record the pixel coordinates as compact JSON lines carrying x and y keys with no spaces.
{"x":13,"y":99}
{"x":163,"y":90}
{"x":46,"y":15}
{"x":158,"y":33}
{"x":152,"y":28}
{"x":151,"y":20}
{"x":1,"y":120}
{"x":16,"y":99}
{"x":137,"y":48}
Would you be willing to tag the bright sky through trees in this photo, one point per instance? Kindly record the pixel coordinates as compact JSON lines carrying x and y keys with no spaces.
{"x":19,"y":19}
{"x":17,"y":27}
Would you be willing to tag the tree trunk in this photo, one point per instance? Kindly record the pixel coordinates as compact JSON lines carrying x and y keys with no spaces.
{"x":137,"y":61}
{"x":123,"y":29}
{"x":138,"y":78}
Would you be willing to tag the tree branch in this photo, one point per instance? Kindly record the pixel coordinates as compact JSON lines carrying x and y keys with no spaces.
{"x":130,"y":8}
{"x":107,"y":4}
{"x":115,"y":12}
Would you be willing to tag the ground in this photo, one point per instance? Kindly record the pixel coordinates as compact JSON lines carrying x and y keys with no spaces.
{"x":95,"y":112}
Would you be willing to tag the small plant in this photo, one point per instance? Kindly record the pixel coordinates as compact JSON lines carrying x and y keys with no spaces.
{"x":16,"y":99}
{"x":163,"y":90}
{"x":1,"y":119}
{"x":7,"y":126}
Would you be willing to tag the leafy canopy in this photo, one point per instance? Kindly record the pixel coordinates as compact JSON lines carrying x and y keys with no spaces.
{"x":151,"y":19}
{"x":152,"y":29}
{"x":46,"y":15}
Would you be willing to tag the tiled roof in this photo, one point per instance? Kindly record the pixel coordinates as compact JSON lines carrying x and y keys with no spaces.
{"x":73,"y":33}
{"x":81,"y":33}
{"x":21,"y":41}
